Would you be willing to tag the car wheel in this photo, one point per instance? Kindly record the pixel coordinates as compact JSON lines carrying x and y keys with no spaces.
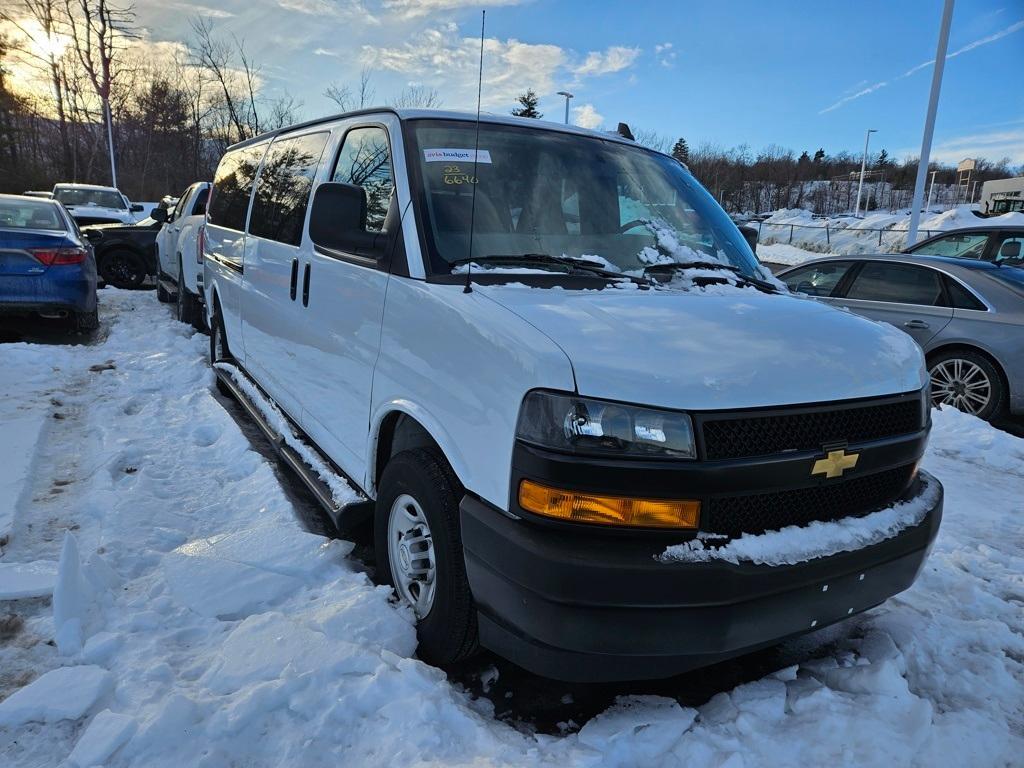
{"x":84,"y":322}
{"x":418,"y":545}
{"x":123,"y":269}
{"x":967,"y":381}
{"x":219,"y":350}
{"x":189,"y":309}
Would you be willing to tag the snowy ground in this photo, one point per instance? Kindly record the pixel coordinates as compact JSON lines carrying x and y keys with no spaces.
{"x":196,"y":623}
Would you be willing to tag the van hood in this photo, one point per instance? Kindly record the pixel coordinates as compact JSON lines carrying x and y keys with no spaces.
{"x":717,"y":348}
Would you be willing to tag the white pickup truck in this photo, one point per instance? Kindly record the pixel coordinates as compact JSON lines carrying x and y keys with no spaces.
{"x":92,"y":204}
{"x":179,"y":254}
{"x":544,"y":358}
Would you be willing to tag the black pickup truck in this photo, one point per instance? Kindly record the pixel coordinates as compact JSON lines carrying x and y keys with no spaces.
{"x":126,"y":255}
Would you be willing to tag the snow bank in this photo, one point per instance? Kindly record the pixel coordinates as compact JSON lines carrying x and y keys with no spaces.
{"x":798,"y":544}
{"x":107,"y":732}
{"x":851,"y":236}
{"x":20,"y":437}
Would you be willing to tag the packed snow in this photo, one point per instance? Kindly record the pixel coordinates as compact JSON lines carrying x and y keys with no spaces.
{"x":208,"y":629}
{"x":798,"y":544}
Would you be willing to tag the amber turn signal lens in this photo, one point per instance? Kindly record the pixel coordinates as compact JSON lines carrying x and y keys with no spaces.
{"x":575,"y":507}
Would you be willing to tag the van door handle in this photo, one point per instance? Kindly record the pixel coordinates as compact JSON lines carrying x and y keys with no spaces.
{"x":305,"y":286}
{"x":915,"y":324}
{"x":295,"y":277}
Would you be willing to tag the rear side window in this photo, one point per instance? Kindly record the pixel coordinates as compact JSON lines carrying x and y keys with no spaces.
{"x":199,"y":206}
{"x":961,"y":246}
{"x":365,"y":161}
{"x":817,"y":279}
{"x":282,"y":192}
{"x":898,"y":283}
{"x":232,"y":186}
{"x":960,"y":297}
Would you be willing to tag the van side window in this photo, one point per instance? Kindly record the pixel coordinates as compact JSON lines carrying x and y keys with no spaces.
{"x":282,"y":191}
{"x":232,"y":185}
{"x":365,"y":160}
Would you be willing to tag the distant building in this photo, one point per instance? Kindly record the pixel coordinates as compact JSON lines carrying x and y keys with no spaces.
{"x":1002,"y":196}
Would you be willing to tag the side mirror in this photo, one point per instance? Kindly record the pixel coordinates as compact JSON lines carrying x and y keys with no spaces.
{"x":337,"y":221}
{"x":93,"y":235}
{"x":159,"y":214}
{"x":136,"y":208}
{"x":750,"y":235}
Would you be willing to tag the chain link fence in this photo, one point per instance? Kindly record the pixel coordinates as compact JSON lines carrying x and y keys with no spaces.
{"x":826,"y":238}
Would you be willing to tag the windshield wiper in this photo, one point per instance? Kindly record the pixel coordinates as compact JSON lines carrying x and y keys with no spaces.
{"x":545,"y":259}
{"x":673,"y":266}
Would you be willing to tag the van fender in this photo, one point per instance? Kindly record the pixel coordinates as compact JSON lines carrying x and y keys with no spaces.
{"x":449,"y":447}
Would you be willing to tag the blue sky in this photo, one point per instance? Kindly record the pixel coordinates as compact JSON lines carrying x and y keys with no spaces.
{"x":799,"y":74}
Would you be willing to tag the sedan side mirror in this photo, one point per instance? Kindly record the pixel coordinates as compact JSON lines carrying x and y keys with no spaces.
{"x":93,"y":235}
{"x":338,"y":221}
{"x":159,"y":214}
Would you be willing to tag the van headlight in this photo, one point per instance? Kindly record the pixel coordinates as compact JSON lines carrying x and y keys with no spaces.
{"x":586,"y":426}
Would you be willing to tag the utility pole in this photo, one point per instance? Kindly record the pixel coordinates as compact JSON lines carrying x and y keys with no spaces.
{"x":931,"y":188}
{"x":567,"y":97}
{"x":863,"y":165}
{"x":929,"y":121}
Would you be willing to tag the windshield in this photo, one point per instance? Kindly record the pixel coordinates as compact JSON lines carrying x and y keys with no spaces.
{"x":105,"y":198}
{"x":558,"y":194}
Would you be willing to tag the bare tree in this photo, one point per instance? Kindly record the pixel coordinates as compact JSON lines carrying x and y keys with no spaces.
{"x":99,"y":31}
{"x":234,"y":75}
{"x":417,"y":97}
{"x":348,"y":98}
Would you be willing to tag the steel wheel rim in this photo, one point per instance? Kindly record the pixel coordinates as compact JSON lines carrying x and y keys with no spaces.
{"x":218,"y":344}
{"x":411,"y":554}
{"x":961,"y":384}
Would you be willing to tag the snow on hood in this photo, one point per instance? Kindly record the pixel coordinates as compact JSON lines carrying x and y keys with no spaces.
{"x":724,"y":347}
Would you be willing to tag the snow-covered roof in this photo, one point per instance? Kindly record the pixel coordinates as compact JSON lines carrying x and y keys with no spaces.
{"x":71,"y":185}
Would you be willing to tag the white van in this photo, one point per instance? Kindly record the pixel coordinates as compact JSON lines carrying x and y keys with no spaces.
{"x":544,"y":355}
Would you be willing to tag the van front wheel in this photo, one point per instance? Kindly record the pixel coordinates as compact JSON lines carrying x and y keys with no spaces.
{"x":419,"y":552}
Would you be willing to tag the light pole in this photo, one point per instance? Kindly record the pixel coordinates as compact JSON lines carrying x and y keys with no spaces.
{"x":929,"y":121}
{"x":931,"y":188}
{"x":863,"y":165}
{"x":567,"y":97}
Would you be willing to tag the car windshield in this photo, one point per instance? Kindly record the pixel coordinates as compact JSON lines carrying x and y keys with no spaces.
{"x":542,"y":193}
{"x":30,"y":214}
{"x":105,"y":198}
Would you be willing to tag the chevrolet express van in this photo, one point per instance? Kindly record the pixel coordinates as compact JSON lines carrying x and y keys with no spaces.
{"x":541,"y":356}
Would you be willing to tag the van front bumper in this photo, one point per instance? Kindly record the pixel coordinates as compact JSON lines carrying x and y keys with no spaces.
{"x":575,"y":603}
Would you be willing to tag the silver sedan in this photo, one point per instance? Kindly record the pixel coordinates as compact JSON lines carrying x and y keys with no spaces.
{"x":967,"y":315}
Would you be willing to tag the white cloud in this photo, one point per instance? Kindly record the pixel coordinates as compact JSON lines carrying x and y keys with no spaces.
{"x":440,"y":57}
{"x":925,"y":64}
{"x":325,"y":52}
{"x":411,"y":9}
{"x":665,"y":55}
{"x":353,"y":9}
{"x":614,"y":59}
{"x":587,"y":117}
{"x":213,"y":13}
{"x":993,"y":145}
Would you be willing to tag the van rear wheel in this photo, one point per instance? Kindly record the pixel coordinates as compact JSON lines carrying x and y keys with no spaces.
{"x":219,"y":350}
{"x":419,"y":552}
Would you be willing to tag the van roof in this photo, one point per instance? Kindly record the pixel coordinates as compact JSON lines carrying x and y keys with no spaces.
{"x":440,"y":114}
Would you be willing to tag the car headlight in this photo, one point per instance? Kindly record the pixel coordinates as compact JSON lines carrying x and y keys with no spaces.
{"x":586,"y":426}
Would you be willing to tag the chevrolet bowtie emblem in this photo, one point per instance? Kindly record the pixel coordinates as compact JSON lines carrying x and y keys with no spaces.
{"x":835,"y":463}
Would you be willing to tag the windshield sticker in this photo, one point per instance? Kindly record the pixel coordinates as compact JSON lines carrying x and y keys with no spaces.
{"x":456,"y":155}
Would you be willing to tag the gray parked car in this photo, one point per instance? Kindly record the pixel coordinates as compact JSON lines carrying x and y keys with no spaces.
{"x":967,"y":315}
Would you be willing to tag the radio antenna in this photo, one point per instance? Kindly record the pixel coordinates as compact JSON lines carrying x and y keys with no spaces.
{"x":476,"y":151}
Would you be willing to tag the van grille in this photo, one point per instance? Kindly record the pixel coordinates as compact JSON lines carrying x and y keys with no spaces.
{"x":807,"y":430}
{"x":760,"y":512}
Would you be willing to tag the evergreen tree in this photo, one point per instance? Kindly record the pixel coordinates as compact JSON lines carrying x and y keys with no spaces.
{"x":819,"y":156}
{"x":681,"y":151}
{"x":528,"y":105}
{"x":883,"y":159}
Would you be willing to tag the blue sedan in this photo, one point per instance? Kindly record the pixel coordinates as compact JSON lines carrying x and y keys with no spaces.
{"x":47,"y":266}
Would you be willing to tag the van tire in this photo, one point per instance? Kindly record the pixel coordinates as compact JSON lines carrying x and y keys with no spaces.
{"x":448,"y":632}
{"x":220,"y":352}
{"x":188,"y":307}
